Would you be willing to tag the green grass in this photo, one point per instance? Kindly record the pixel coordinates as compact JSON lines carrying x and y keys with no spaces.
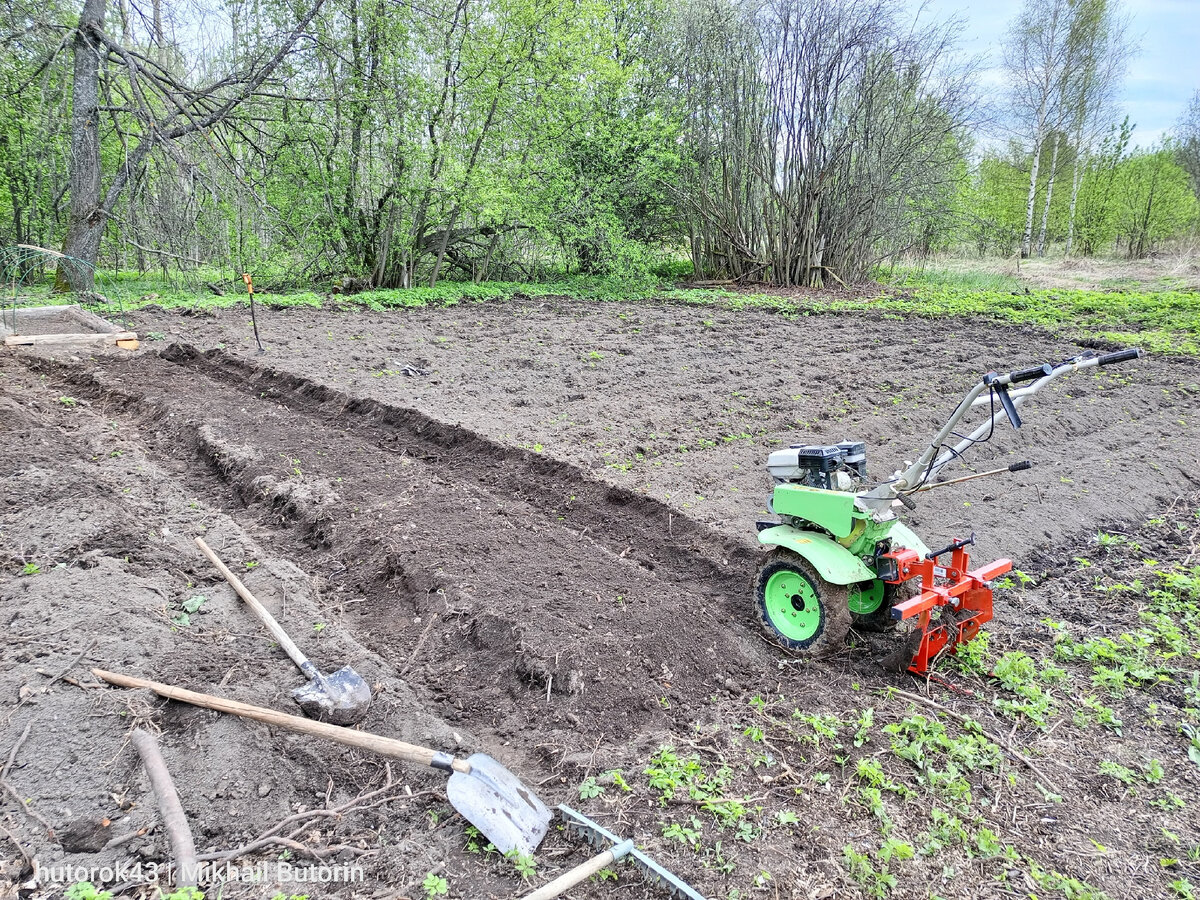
{"x":1159,"y":321}
{"x":899,"y":278}
{"x":1162,"y":321}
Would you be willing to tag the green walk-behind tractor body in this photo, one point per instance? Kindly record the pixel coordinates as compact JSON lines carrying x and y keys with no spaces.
{"x":841,"y":554}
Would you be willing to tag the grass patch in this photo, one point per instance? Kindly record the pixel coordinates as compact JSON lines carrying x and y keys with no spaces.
{"x":1162,"y":321}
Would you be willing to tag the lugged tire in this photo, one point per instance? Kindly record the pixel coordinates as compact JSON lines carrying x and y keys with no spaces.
{"x":832,"y":615}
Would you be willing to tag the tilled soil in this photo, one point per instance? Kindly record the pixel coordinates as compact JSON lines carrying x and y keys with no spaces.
{"x":683,"y":403}
{"x":538,"y":543}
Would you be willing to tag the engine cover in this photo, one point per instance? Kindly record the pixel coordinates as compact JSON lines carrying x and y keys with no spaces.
{"x":825,"y":466}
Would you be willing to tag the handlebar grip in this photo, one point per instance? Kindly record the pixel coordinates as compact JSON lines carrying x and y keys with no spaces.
{"x":1020,"y":466}
{"x":951,"y":547}
{"x":1120,"y":356}
{"x":1030,"y":374}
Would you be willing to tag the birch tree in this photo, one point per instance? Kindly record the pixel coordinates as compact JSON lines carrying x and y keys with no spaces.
{"x":1065,"y":60}
{"x":1100,"y":52}
{"x":1037,"y":55}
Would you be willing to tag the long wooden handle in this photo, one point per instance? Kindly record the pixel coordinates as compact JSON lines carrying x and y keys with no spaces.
{"x":277,"y":632}
{"x":422,"y":756}
{"x":183,"y":848}
{"x":580,"y":873}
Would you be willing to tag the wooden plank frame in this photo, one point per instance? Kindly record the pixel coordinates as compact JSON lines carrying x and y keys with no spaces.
{"x":98,"y":331}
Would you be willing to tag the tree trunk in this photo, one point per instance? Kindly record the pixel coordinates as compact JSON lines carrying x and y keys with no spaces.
{"x":1027,"y":238}
{"x":86,"y":223}
{"x":1049,"y":197}
{"x":1076,"y":180}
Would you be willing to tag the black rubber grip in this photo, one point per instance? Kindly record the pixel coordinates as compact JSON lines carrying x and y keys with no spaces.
{"x":951,"y":547}
{"x":1120,"y":356}
{"x":1030,"y":374}
{"x":1020,"y":466}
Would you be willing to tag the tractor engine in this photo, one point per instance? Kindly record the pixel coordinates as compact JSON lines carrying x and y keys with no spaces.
{"x":839,"y":467}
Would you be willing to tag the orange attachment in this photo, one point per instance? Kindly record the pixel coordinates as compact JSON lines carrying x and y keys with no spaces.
{"x":967,"y":596}
{"x":249,"y":282}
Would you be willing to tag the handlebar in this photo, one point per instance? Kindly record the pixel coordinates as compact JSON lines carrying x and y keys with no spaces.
{"x":1031,"y":374}
{"x":1119,"y":356}
{"x":993,"y":388}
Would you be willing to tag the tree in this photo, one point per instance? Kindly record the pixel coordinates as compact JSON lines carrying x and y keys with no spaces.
{"x":1156,"y":199}
{"x":1100,"y":54}
{"x":1096,"y":209}
{"x":819,"y":135}
{"x":165,"y":106}
{"x":1036,"y":55}
{"x":1064,"y":60}
{"x":1187,"y":141}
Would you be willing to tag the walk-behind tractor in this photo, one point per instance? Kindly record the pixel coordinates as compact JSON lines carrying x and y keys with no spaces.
{"x":841,"y":554}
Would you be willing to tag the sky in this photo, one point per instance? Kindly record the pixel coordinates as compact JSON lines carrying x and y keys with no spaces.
{"x":1162,"y":77}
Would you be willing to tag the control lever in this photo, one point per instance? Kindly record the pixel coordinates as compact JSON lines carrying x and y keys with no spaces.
{"x":992,"y":380}
{"x":951,"y":547}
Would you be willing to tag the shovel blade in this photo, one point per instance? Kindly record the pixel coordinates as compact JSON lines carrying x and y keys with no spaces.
{"x":495,"y":801}
{"x":340,"y":698}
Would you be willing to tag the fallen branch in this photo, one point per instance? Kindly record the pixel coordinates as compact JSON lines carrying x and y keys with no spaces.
{"x":183,"y":848}
{"x":12,"y":792}
{"x":303,"y":820}
{"x":73,"y":663}
{"x":969,"y":722}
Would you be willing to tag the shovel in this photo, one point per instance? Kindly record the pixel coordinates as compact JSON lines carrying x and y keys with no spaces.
{"x":342,"y":697}
{"x":485,"y":793}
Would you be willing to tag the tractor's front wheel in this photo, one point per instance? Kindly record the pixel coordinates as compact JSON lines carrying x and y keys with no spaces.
{"x":797,"y":607}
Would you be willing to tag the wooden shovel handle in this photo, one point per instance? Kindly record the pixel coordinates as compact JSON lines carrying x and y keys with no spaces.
{"x":277,"y":632}
{"x":422,"y":756}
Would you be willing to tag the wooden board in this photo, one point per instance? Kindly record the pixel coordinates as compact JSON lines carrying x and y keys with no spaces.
{"x":88,"y":338}
{"x":86,"y":318}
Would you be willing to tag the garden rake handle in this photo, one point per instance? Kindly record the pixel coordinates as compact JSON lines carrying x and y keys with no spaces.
{"x":362,"y":740}
{"x":277,"y":632}
{"x":580,"y":873}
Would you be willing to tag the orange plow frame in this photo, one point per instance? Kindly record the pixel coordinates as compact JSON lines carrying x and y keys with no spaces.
{"x":967,"y":594}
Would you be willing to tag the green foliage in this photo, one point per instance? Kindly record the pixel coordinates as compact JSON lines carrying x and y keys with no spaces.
{"x":1163,"y":321}
{"x":943,"y":760}
{"x":1020,"y":674}
{"x":1127,"y":201}
{"x":875,"y":882}
{"x":435,"y":885}
{"x":524,"y":864}
{"x":1070,"y":888}
{"x":1156,"y":200}
{"x":85,"y":890}
{"x":589,"y":789}
{"x":668,"y":773}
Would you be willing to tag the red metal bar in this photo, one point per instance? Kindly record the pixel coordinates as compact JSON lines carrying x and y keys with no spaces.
{"x":967,"y":593}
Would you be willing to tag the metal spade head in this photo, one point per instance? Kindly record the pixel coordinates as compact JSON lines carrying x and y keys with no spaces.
{"x":495,"y":801}
{"x":340,"y":698}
